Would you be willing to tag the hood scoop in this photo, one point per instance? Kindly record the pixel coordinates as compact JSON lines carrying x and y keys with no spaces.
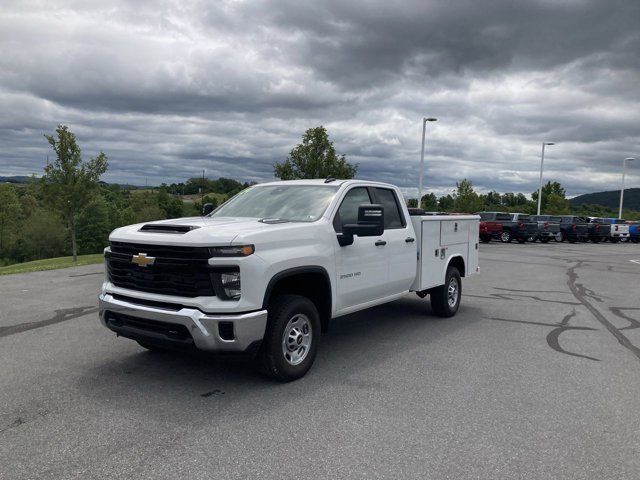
{"x":162,"y":228}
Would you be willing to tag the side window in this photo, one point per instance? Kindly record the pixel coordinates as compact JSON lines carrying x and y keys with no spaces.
{"x":348,"y":210}
{"x":392,"y":215}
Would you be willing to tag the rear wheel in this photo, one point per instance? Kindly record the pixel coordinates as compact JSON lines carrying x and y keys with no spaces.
{"x":614,"y":239}
{"x":485,"y":238}
{"x":445,"y":299}
{"x":291,"y":338}
{"x":505,"y":236}
{"x":635,"y":240}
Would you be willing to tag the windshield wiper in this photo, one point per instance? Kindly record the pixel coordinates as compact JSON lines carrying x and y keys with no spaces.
{"x":274,"y":220}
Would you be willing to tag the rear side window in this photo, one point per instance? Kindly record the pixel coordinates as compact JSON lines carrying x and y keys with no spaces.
{"x":348,"y":210}
{"x":524,"y":218}
{"x":503,"y":216}
{"x":555,"y":219}
{"x":392,"y":215}
{"x":485,"y":216}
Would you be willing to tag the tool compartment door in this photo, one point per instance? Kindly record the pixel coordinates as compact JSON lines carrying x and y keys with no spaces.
{"x":431,"y":255}
{"x":453,"y":232}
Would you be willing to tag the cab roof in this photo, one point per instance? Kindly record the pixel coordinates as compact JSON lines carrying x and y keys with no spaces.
{"x":323,"y":181}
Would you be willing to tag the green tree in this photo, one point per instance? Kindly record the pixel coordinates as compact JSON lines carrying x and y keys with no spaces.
{"x":552,"y":192}
{"x":315,"y":157}
{"x":429,"y":202}
{"x":445,"y":203}
{"x":171,"y":206}
{"x":94,"y":226}
{"x":465,"y":198}
{"x":412,"y":203}
{"x":69,"y":182}
{"x":10,"y":212}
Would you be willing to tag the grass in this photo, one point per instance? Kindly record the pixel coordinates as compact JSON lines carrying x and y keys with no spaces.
{"x":52,"y":264}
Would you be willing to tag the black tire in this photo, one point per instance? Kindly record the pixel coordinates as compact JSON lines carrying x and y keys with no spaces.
{"x":485,"y":238}
{"x":595,"y":239}
{"x":272,"y":359}
{"x":635,"y":240}
{"x":532,"y":238}
{"x":440,"y":295}
{"x":545,"y":239}
{"x":522,"y":240}
{"x":506,"y":237}
{"x":614,"y":240}
{"x":572,"y":240}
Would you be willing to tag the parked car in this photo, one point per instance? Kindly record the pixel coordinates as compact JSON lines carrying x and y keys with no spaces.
{"x":267,"y":270}
{"x":617,"y":229}
{"x":510,"y":228}
{"x":574,"y":229}
{"x":599,"y":231}
{"x":634,"y":231}
{"x":489,"y":230}
{"x":525,"y":223}
{"x":548,"y":227}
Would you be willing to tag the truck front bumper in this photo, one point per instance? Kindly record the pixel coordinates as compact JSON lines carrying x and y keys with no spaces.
{"x":183,"y":326}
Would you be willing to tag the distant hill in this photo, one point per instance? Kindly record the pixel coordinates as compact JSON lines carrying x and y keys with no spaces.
{"x":15,"y":179}
{"x":610,"y":199}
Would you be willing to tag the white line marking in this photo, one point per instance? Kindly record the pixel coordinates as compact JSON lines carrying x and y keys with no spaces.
{"x":635,"y":261}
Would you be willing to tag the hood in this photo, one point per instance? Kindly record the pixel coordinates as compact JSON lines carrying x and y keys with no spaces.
{"x":206,"y":231}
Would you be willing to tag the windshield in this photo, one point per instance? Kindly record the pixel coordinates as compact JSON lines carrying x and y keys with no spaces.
{"x":296,"y":203}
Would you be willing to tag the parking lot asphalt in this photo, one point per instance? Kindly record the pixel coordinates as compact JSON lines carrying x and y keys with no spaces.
{"x":537,"y":377}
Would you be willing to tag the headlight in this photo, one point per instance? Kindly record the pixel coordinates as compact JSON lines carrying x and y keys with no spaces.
{"x":227,"y":284}
{"x":232,"y":251}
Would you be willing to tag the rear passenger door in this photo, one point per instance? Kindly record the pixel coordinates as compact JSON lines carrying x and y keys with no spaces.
{"x":361,"y":268}
{"x":401,"y":242}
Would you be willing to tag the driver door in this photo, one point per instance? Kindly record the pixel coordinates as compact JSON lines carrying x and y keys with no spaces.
{"x":361,"y":268}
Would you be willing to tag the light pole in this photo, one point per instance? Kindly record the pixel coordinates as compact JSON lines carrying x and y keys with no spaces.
{"x":624,"y":166}
{"x":424,"y":128}
{"x":544,"y":144}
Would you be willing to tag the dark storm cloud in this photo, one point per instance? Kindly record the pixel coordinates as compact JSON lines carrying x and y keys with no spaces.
{"x":169,"y":89}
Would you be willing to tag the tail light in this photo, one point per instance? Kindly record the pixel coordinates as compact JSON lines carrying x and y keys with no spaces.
{"x":546,"y":225}
{"x":574,"y":227}
{"x":521,"y":225}
{"x":597,"y":228}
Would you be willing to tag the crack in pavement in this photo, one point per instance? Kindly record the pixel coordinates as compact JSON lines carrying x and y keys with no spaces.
{"x":504,"y":296}
{"x":553,"y":335}
{"x":61,"y":315}
{"x":633,"y":323}
{"x":581,"y":294}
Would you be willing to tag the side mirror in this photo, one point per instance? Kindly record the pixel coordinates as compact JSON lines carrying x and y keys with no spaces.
{"x":370,"y":224}
{"x":207,"y":208}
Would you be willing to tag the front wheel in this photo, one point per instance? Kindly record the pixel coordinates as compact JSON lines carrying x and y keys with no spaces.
{"x":291,"y":338}
{"x":505,"y":237}
{"x":445,"y":299}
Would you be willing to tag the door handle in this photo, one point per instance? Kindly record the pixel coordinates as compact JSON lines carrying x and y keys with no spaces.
{"x":380,"y":243}
{"x":409,"y":239}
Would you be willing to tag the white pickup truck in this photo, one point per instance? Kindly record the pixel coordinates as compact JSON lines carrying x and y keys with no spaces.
{"x":266,"y":271}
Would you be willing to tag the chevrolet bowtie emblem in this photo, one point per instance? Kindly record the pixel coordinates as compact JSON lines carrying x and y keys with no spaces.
{"x":142,"y":260}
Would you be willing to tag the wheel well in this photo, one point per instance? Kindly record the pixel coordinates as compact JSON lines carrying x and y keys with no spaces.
{"x":458,"y":262}
{"x":312,"y":283}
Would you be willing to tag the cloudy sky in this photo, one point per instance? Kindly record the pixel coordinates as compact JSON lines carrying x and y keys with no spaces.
{"x":169,"y":88}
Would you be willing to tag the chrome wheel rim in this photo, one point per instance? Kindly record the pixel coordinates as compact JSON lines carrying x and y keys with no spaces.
{"x":452,"y":292}
{"x":505,"y":236}
{"x":296,"y":339}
